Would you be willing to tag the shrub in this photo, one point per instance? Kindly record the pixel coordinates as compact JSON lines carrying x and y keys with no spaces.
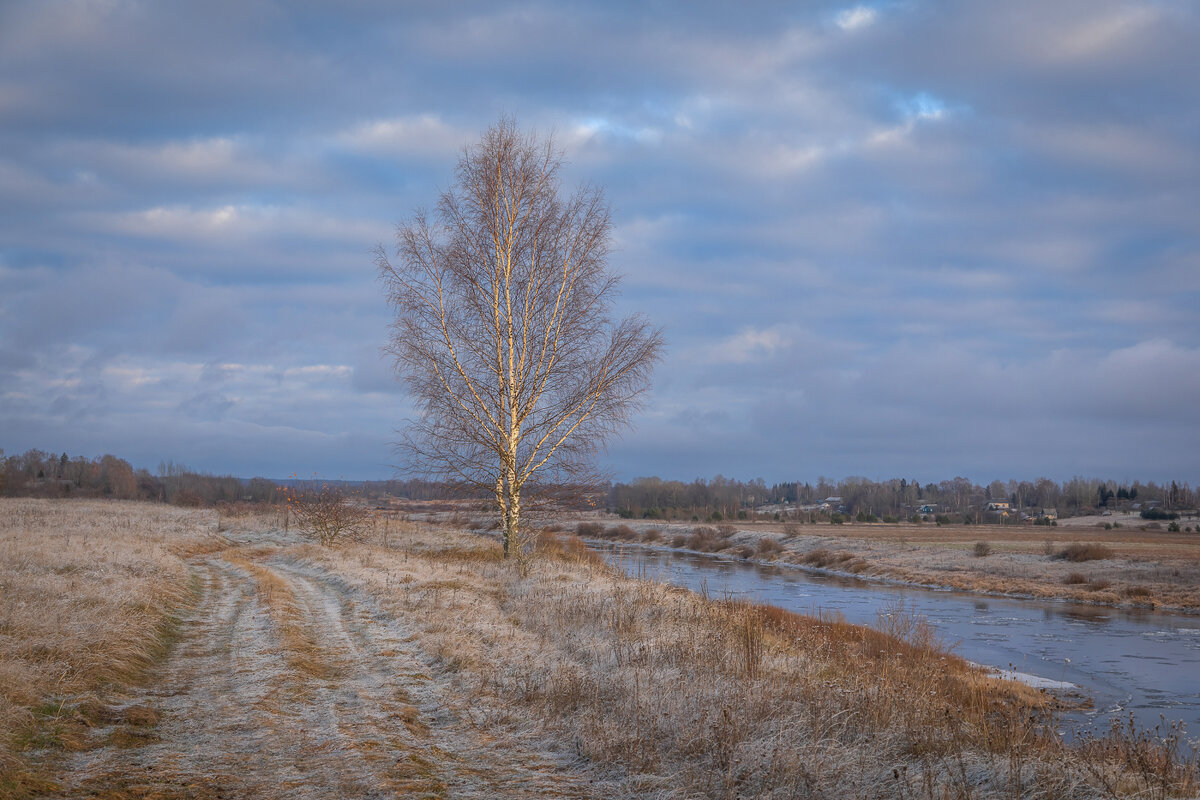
{"x":866,"y":516}
{"x":715,"y":516}
{"x":982,"y":549}
{"x":742,"y":515}
{"x":1098,"y":584}
{"x":652,"y":535}
{"x":1174,"y":527}
{"x":769,"y":547}
{"x":818,"y":558}
{"x":1158,"y":513}
{"x":1085,"y":552}
{"x":1074,"y":578}
{"x":890,"y":519}
{"x":1136,"y":590}
{"x":915,"y":519}
{"x":793,"y":529}
{"x":836,"y":519}
{"x":589,"y":529}
{"x":942,"y":519}
{"x":327,"y":514}
{"x":706,"y":540}
{"x":679,"y":540}
{"x":622,"y":532}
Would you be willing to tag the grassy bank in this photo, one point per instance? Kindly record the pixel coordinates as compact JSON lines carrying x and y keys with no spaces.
{"x":1119,"y":567}
{"x":664,"y":693}
{"x":87,"y":595}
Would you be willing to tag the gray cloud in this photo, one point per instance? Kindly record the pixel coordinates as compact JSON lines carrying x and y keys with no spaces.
{"x":921,"y":237}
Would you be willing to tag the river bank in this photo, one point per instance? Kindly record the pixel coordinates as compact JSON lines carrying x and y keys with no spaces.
{"x":1122,"y":568}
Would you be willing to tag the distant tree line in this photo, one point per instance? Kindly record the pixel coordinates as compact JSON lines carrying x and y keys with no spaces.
{"x":36,"y":473}
{"x":728,"y":498}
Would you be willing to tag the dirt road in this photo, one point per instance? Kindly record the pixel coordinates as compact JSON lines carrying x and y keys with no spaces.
{"x":287,"y":682}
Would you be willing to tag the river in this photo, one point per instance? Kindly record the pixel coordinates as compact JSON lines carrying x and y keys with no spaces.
{"x":1128,"y":661}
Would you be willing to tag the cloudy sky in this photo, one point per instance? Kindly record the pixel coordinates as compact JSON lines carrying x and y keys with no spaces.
{"x":916,"y":238}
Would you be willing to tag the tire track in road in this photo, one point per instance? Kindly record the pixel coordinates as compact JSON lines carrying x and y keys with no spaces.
{"x":241,"y":716}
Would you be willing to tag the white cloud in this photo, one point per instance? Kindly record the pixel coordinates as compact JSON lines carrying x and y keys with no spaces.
{"x":1101,"y":33}
{"x":219,"y":226}
{"x":412,"y":135}
{"x":855,"y":18}
{"x":750,"y":344}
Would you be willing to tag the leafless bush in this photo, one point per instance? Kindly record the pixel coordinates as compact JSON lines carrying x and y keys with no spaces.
{"x":1085,"y":552}
{"x":982,"y":549}
{"x":706,"y":539}
{"x":768,"y":547}
{"x":818,"y":558}
{"x":327,"y":514}
{"x":589,"y":529}
{"x":622,"y":533}
{"x":652,"y":535}
{"x":1075,"y":578}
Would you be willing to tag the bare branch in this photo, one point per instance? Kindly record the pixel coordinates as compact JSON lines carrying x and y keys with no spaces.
{"x":502,"y":331}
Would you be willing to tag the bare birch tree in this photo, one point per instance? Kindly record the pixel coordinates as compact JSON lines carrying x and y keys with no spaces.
{"x":503,"y":332}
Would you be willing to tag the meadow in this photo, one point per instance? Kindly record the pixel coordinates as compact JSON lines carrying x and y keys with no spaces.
{"x":149,"y":651}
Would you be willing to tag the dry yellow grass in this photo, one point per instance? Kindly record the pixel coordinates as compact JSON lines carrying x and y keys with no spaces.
{"x":465,"y":674}
{"x":669,"y":694}
{"x":88,"y":592}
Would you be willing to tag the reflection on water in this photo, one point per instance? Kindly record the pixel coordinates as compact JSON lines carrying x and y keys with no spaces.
{"x":1129,"y":661}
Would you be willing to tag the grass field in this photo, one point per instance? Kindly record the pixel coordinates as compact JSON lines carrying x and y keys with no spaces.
{"x":184,"y":662}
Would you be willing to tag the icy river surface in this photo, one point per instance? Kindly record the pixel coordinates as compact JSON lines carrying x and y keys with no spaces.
{"x":1128,"y":661}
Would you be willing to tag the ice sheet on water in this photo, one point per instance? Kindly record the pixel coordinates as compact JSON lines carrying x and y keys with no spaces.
{"x":1036,"y":681}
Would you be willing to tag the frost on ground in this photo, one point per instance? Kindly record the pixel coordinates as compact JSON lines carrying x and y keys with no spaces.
{"x":289,"y":683}
{"x":422,"y":665}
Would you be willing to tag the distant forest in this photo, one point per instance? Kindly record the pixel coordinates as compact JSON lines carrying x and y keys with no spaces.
{"x":42,"y":474}
{"x":37,"y":473}
{"x":867,"y":500}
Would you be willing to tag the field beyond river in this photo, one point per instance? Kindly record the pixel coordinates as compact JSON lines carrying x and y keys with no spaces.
{"x":148,"y":651}
{"x":1132,"y":565}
